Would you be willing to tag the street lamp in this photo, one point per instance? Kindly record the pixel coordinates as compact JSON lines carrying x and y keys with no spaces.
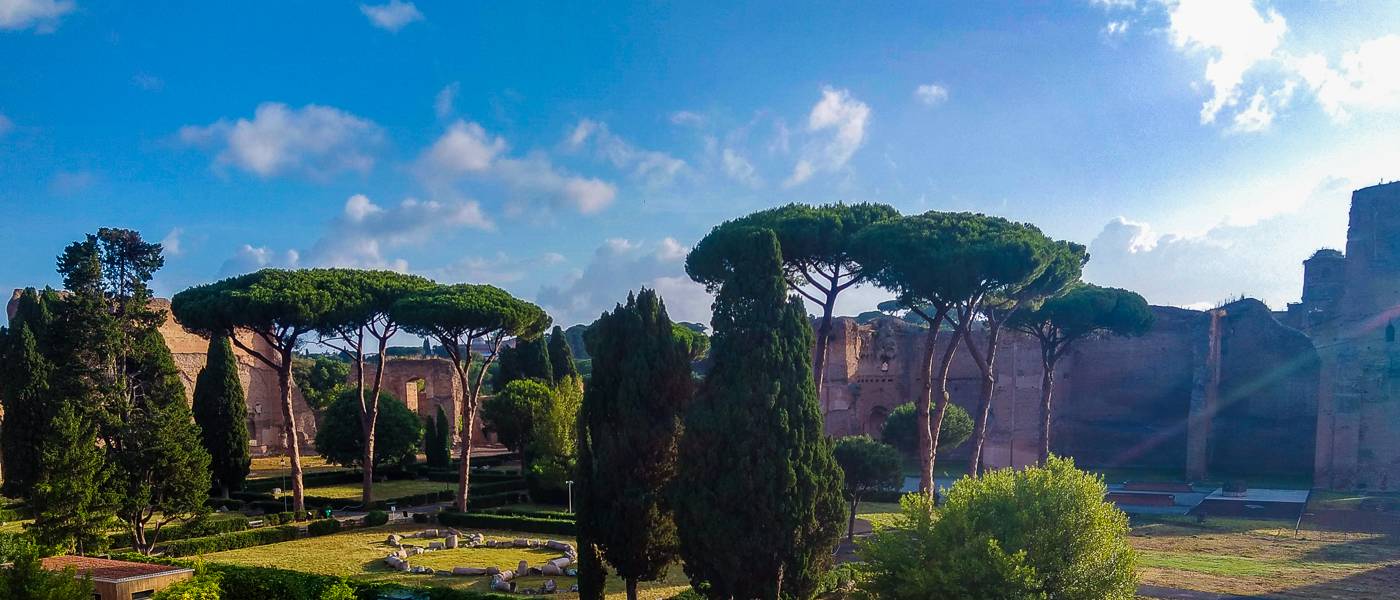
{"x":571,"y":495}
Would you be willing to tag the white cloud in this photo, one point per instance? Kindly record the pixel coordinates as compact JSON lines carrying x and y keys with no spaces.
{"x":170,"y":244}
{"x":1116,"y":28}
{"x":685,"y":117}
{"x":840,"y":119}
{"x":443,"y":101}
{"x":42,"y":15}
{"x":1235,"y":34}
{"x":500,"y":269}
{"x":464,"y":148}
{"x":931,"y":94}
{"x":1115,"y":4}
{"x":364,"y":231}
{"x":1366,"y":78}
{"x":392,"y":16}
{"x":250,"y":258}
{"x":1255,"y":117}
{"x":621,"y":265}
{"x":656,"y":169}
{"x":316,"y":141}
{"x":739,"y":168}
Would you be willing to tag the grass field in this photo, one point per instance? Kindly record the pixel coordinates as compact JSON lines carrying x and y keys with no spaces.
{"x":268,"y":467}
{"x":359,"y":554}
{"x":382,"y":489}
{"x":879,"y":514}
{"x":1236,"y":556}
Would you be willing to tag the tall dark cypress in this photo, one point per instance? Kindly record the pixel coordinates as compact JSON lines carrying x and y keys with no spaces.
{"x":592,"y":575}
{"x":222,"y":414}
{"x":437,"y":440}
{"x":27,"y":411}
{"x":561,"y":358}
{"x":529,"y":359}
{"x":757,"y":493}
{"x":641,"y":383}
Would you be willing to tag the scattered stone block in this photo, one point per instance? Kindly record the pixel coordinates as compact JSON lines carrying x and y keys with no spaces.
{"x":436,"y":546}
{"x":551,"y":569}
{"x":522,"y":567}
{"x":562,"y":562}
{"x":550,"y":586}
{"x":393,"y":540}
{"x":451,"y":542}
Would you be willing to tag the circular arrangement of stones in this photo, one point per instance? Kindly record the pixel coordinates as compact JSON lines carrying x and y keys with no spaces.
{"x":502,"y":580}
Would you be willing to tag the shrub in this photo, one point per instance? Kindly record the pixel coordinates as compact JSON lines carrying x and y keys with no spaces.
{"x":203,"y":586}
{"x":339,"y":591}
{"x":323,"y":527}
{"x":1036,"y":533}
{"x":507,"y":522}
{"x":422,"y":518}
{"x":200,"y":527}
{"x":231,"y":541}
{"x":376,"y":517}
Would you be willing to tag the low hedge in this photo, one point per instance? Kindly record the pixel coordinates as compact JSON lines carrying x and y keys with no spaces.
{"x":307,"y":480}
{"x":199,"y":528}
{"x":230,"y":541}
{"x":484,"y":501}
{"x":882,"y":496}
{"x":507,"y":522}
{"x":539,"y":514}
{"x":322,"y":527}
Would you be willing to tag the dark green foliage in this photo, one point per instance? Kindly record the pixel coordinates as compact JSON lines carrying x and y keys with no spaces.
{"x":528,"y":359}
{"x":375,"y":518}
{"x":323,"y":527}
{"x":437,"y":440}
{"x":22,"y":576}
{"x":574,"y":336}
{"x":1041,"y":532}
{"x":222,"y":414}
{"x":696,"y":343}
{"x":397,"y":432}
{"x":899,"y":430}
{"x":592,"y":575}
{"x":561,"y":358}
{"x":510,"y":413}
{"x":28,"y":406}
{"x":158,"y":459}
{"x":867,"y":466}
{"x":632,"y":408}
{"x":758,"y":494}
{"x":230,"y":541}
{"x":74,"y":490}
{"x":320,"y":379}
{"x":507,"y":522}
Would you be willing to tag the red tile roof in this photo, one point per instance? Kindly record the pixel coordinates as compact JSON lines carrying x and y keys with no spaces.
{"x":102,"y":568}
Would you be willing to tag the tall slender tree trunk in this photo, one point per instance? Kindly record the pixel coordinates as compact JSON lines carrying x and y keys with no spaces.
{"x":987,"y":364}
{"x":1047,"y":387}
{"x":631,"y":588}
{"x":936,"y":426}
{"x":851,"y":525}
{"x":922,"y":423}
{"x":369,"y":419}
{"x":289,"y":428}
{"x":823,"y":343}
{"x":464,"y":436}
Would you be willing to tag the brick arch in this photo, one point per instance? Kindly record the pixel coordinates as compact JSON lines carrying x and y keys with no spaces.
{"x":440,"y":387}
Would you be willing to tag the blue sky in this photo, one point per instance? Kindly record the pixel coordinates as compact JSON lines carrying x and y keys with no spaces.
{"x":1202,"y":148}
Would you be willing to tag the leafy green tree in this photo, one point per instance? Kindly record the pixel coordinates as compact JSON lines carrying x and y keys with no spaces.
{"x":561,"y":358}
{"x":160,"y":464}
{"x":398,"y":431}
{"x":28,"y":407}
{"x":817,"y":254}
{"x":511,"y":412}
{"x":553,"y":449}
{"x":320,"y":379}
{"x":528,"y":359}
{"x":697,"y":344}
{"x":758,"y":494}
{"x":437,"y":440}
{"x":457,"y":316}
{"x":632,"y":409}
{"x":900,"y":429}
{"x":1082,"y":311}
{"x":74,"y":492}
{"x":222,"y":415}
{"x":278,"y":307}
{"x":867,"y":466}
{"x":1041,"y":532}
{"x":1050,"y":268}
{"x":362,"y":321}
{"x":23,"y":576}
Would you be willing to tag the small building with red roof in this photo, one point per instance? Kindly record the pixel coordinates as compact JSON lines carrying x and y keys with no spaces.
{"x":120,"y":579}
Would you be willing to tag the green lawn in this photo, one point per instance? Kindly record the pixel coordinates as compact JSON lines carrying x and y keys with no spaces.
{"x":382,"y":490}
{"x":359,"y":554}
{"x":879,"y":514}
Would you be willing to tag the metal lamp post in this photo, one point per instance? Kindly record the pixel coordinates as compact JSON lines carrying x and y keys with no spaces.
{"x":571,"y":495}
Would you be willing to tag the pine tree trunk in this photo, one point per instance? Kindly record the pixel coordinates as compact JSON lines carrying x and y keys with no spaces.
{"x":923,"y":427}
{"x":631,"y":588}
{"x":851,"y":525}
{"x":289,"y":427}
{"x":984,"y":404}
{"x":823,"y":341}
{"x":367,"y":462}
{"x":941,"y":409}
{"x":1047,"y":388}
{"x":465,"y":437}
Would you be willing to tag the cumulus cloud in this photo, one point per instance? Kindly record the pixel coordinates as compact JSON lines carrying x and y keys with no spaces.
{"x":1261,"y":260}
{"x":1236,"y":36}
{"x":315,"y":141}
{"x":654,"y":168}
{"x":42,"y":15}
{"x":443,"y":101}
{"x":392,"y":16}
{"x":739,"y":168}
{"x":931,"y":94}
{"x":1366,"y":78}
{"x":838,"y":123}
{"x":1116,"y":28}
{"x":500,"y":269}
{"x":364,"y":231}
{"x":466,"y":149}
{"x":621,"y":265}
{"x":250,"y":258}
{"x":170,"y":244}
{"x":685,"y":117}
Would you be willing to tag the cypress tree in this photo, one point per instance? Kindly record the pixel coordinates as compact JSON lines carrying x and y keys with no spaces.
{"x":641,"y":382}
{"x":529,"y":359}
{"x":222,"y":415}
{"x":72,"y":500}
{"x":27,"y":414}
{"x":758,"y":493}
{"x":592,"y":575}
{"x":437,"y":441}
{"x":561,"y":358}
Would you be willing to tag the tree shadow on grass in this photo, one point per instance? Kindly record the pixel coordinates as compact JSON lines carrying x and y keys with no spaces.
{"x":1381,"y":582}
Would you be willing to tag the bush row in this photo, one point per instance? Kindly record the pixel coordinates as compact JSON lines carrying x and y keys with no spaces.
{"x":308,"y":479}
{"x":231,"y":541}
{"x":508,"y":522}
{"x":882,"y":496}
{"x":539,"y":514}
{"x":198,"y":528}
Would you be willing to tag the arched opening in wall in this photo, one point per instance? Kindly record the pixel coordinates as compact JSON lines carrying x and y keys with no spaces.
{"x":875,"y":421}
{"x":414,"y":390}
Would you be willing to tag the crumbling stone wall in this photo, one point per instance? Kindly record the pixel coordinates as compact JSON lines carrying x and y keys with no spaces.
{"x":423,"y":385}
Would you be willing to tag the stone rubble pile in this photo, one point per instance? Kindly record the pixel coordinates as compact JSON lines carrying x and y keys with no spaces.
{"x":502,"y":580}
